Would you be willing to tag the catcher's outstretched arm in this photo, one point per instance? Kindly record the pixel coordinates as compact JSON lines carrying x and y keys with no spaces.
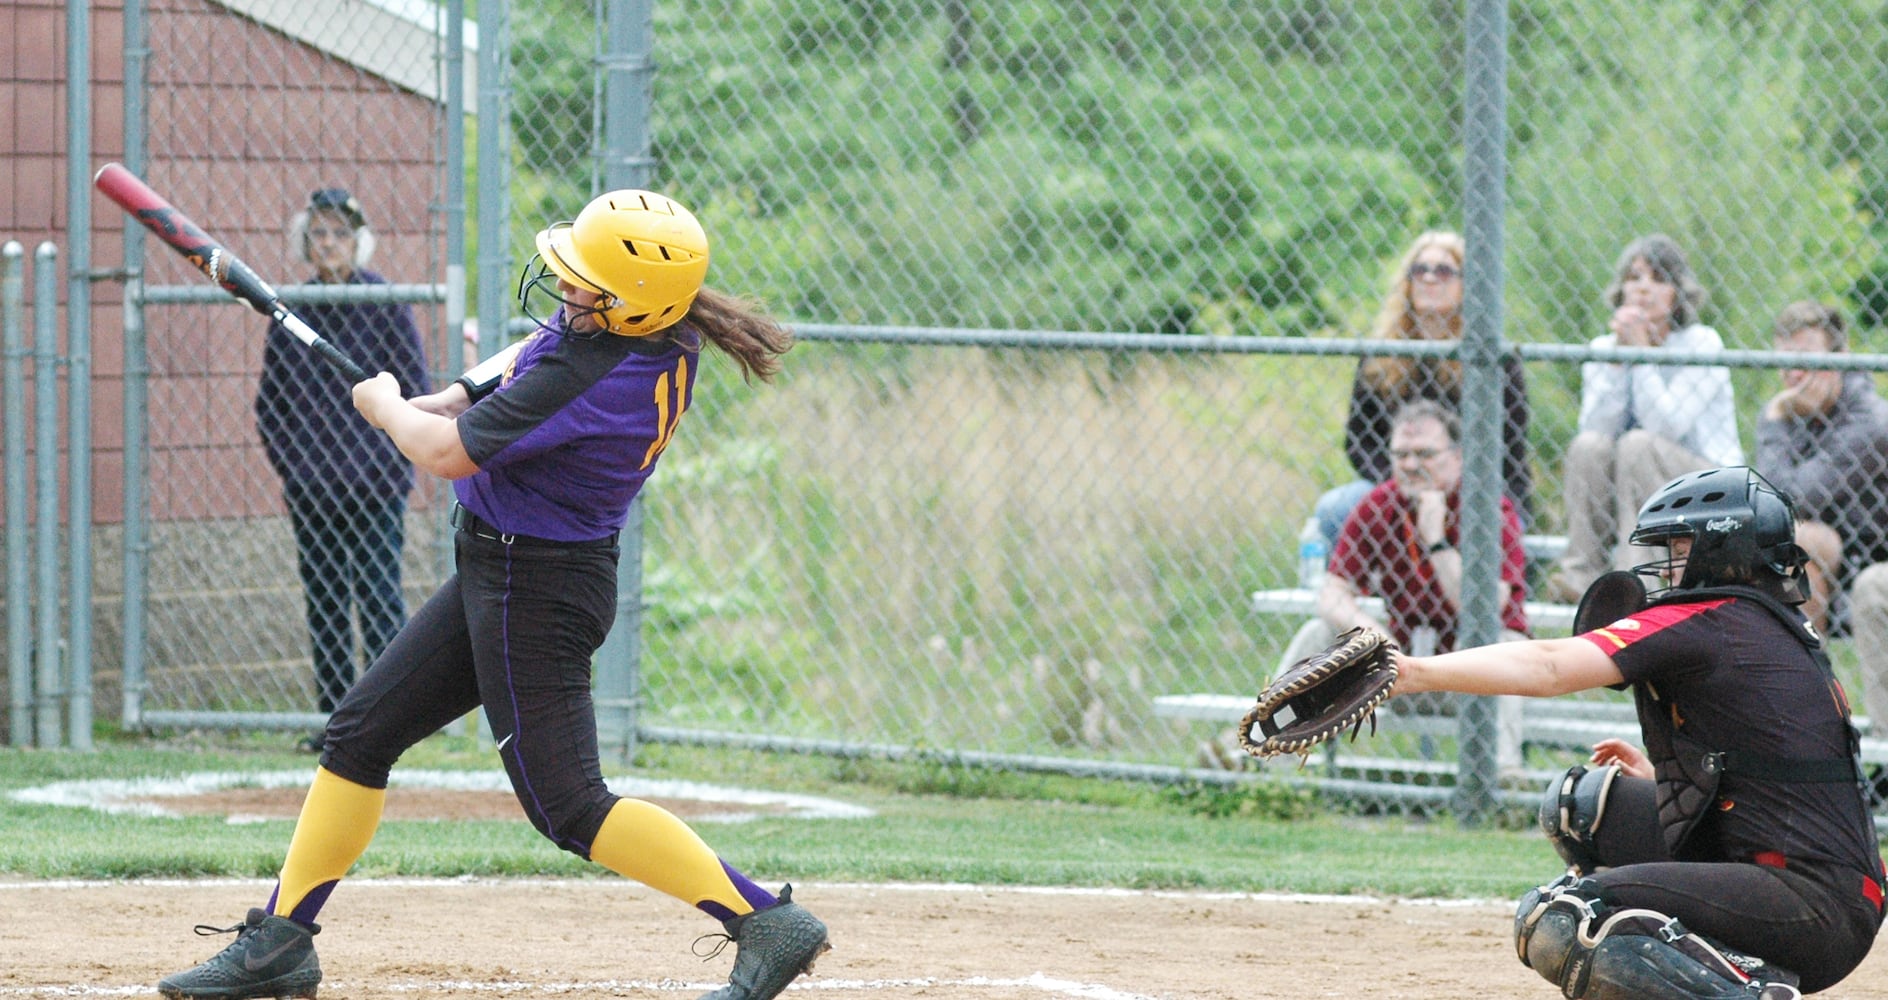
{"x":1540,"y":668}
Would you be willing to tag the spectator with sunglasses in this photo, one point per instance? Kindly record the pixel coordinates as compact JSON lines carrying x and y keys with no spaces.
{"x":1641,"y":425}
{"x":1423,"y":303}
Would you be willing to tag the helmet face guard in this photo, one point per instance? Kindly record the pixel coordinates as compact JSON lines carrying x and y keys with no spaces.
{"x":545,"y":304}
{"x":1742,"y":531}
{"x":643,"y":255}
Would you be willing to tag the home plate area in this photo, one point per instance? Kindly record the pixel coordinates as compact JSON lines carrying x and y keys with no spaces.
{"x":590,"y":939}
{"x":605,"y":937}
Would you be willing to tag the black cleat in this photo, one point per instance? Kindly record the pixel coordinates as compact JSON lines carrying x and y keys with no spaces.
{"x":271,"y":957}
{"x":772,"y":947}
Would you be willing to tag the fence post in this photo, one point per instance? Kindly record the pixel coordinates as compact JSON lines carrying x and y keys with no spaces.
{"x":19,"y":592}
{"x":79,"y":379}
{"x":628,"y":66}
{"x":46,"y":510}
{"x":494,"y":149}
{"x":136,"y":391}
{"x":1484,"y":132}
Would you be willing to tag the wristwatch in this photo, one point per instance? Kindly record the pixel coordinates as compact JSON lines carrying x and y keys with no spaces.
{"x":1441,"y":545}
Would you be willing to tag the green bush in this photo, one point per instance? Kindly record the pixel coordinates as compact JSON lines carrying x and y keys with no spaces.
{"x":1262,"y":800}
{"x":1708,"y":162}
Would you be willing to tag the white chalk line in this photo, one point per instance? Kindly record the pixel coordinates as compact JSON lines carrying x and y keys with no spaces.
{"x":141,"y":796}
{"x":1046,"y":985}
{"x":615,"y":887}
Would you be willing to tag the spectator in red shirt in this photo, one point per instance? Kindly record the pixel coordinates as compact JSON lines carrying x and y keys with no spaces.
{"x":1400,"y":544}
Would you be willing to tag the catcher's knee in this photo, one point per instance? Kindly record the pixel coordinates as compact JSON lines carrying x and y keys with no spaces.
{"x":1571,"y":812}
{"x":1594,"y":952}
{"x":1547,"y":925}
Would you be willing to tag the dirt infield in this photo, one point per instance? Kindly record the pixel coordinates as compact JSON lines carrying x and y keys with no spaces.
{"x":594,"y":939}
{"x":587,"y":939}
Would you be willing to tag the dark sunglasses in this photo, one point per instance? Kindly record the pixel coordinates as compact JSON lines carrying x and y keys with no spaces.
{"x":1441,"y":272}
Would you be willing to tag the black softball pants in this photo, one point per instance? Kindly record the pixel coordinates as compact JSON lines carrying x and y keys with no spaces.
{"x":513,"y":631}
{"x":1811,"y":919}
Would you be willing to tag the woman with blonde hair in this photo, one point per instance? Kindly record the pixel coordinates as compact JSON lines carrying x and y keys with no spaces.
{"x":1424,"y":302}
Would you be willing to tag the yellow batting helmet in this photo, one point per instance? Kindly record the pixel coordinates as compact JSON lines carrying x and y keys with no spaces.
{"x":643,"y":252}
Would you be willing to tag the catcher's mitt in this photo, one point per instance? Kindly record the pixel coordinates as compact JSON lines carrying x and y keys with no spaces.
{"x":1320,"y":696}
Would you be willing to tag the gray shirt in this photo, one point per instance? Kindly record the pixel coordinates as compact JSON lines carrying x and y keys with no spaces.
{"x":1689,"y":404}
{"x":1834,"y":465}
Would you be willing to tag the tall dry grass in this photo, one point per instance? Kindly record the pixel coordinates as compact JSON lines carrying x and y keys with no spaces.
{"x":982,"y":548}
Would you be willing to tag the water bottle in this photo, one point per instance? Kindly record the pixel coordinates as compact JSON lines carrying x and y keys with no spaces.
{"x":1313,"y":555}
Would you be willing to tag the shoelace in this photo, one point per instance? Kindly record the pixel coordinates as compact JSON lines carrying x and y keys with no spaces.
{"x":211,"y":930}
{"x":721,"y":942}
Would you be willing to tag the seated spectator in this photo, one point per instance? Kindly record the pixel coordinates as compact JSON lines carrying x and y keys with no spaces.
{"x":1641,"y":425}
{"x":1400,"y":545}
{"x":1823,"y":440}
{"x":1423,"y":303}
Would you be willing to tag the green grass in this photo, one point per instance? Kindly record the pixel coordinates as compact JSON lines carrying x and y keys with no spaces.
{"x":932,"y":824}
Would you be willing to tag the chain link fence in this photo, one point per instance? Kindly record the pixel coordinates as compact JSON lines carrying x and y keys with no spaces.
{"x":1100,"y":304}
{"x":1008,"y":549}
{"x":284,"y":540}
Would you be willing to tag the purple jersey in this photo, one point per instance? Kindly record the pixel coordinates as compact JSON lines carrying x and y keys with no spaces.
{"x":574,"y":430}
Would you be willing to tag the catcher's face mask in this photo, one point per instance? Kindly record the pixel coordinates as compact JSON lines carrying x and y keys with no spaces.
{"x":1669,"y":571}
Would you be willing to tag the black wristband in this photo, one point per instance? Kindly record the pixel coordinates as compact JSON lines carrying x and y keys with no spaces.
{"x":1441,"y":545}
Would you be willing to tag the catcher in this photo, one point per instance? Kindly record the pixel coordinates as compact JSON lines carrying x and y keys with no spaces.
{"x":1733,"y":857}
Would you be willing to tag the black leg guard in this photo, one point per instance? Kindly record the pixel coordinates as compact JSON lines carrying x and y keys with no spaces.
{"x":1629,"y":967}
{"x":1558,"y":936}
{"x":1571,"y":811}
{"x":1593,"y":952}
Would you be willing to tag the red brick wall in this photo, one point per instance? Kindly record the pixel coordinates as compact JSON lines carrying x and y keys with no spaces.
{"x":242,"y":123}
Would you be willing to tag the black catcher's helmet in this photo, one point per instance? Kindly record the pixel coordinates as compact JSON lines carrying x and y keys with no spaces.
{"x":1742,"y":531}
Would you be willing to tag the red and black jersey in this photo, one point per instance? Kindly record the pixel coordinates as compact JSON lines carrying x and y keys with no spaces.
{"x":1726,"y":674}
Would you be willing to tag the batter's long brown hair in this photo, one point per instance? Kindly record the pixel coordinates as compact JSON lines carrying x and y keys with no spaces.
{"x":741,"y":330}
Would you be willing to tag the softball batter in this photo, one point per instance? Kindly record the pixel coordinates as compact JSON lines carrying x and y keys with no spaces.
{"x":546,"y":443}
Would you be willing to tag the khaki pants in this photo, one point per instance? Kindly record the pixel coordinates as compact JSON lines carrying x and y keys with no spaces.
{"x":1868,"y":623}
{"x":1607,"y":480}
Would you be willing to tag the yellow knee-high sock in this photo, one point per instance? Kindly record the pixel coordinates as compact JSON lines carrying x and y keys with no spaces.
{"x":646,"y":842}
{"x":338,"y":821}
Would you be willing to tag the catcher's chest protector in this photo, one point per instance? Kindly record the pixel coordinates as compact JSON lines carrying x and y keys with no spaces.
{"x":1688,"y":772}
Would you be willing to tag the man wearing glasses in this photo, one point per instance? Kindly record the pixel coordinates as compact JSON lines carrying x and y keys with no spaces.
{"x":1399,"y":544}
